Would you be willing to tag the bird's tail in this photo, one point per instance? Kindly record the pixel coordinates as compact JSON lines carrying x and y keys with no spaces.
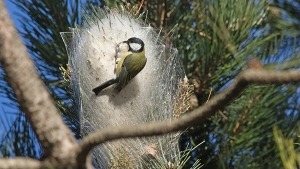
{"x":104,"y":85}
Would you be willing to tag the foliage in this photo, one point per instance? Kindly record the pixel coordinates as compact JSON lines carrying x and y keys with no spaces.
{"x":289,"y":156}
{"x":216,"y":38}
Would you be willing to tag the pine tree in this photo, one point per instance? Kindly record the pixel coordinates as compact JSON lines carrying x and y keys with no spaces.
{"x":216,"y":40}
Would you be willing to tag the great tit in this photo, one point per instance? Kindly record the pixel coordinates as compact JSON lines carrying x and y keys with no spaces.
{"x":128,"y":65}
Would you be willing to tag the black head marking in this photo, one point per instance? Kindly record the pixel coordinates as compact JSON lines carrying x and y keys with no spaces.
{"x":135,"y":40}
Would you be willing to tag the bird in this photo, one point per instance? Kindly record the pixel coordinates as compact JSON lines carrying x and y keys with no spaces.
{"x":128,"y":65}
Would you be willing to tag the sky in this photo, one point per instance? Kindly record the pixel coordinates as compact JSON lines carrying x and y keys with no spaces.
{"x":3,"y":107}
{"x":12,"y":9}
{"x":13,"y":12}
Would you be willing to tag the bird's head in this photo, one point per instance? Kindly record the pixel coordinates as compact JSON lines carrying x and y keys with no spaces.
{"x":136,"y":45}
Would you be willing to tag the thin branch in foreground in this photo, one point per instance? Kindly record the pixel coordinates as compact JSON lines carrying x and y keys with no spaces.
{"x":19,"y":163}
{"x":197,"y":116}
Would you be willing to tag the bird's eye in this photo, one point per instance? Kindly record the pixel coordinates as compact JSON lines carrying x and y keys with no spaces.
{"x":135,"y":46}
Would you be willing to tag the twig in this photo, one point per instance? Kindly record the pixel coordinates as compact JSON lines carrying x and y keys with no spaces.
{"x":19,"y":163}
{"x":209,"y":95}
{"x":138,"y":10}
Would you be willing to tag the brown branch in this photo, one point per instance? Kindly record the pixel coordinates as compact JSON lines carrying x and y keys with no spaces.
{"x":197,"y":116}
{"x":35,"y":101}
{"x":19,"y":163}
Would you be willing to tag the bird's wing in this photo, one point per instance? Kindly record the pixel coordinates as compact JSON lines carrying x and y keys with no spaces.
{"x":122,"y":78}
{"x":131,"y":65}
{"x":129,"y":60}
{"x":134,"y":64}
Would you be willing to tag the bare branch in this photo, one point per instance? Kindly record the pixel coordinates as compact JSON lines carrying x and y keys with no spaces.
{"x":31,"y":93}
{"x":197,"y":116}
{"x":19,"y":163}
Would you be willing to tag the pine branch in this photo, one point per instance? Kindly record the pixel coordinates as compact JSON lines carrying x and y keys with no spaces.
{"x":197,"y":116}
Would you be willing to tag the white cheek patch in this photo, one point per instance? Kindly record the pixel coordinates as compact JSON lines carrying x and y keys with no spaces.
{"x":135,"y":46}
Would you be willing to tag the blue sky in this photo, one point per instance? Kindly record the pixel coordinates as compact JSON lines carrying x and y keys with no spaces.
{"x":3,"y":107}
{"x":12,"y":9}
